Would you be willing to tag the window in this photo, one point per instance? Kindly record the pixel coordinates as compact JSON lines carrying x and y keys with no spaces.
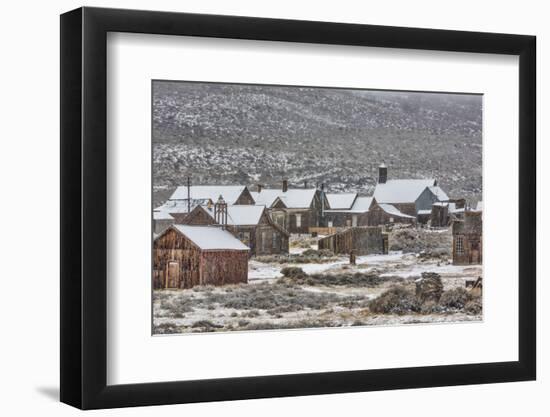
{"x":459,"y":245}
{"x":298,"y":220}
{"x":354,"y":220}
{"x":274,"y":240}
{"x":391,"y":220}
{"x":330,"y":223}
{"x":245,"y":238}
{"x":264,"y":243}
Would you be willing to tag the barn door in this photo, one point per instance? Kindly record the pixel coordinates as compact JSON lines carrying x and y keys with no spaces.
{"x":172,"y":275}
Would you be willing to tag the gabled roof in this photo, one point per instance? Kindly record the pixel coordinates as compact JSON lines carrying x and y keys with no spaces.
{"x":230,"y":193}
{"x":392,"y":210}
{"x":401,"y":191}
{"x":341,"y":201}
{"x":241,"y":215}
{"x":439,"y":193}
{"x":361,"y":205}
{"x":210,"y":237}
{"x":292,"y":198}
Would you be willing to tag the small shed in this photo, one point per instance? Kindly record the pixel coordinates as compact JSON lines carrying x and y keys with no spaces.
{"x":364,"y":240}
{"x":185,"y":256}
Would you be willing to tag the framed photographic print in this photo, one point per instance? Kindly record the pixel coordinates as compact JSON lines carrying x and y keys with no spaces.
{"x":257,"y":208}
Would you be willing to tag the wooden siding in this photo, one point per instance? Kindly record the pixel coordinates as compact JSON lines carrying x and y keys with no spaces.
{"x":468,"y":239}
{"x":179,"y":263}
{"x":360,"y":240}
{"x":224,"y":267}
{"x":378,"y":217}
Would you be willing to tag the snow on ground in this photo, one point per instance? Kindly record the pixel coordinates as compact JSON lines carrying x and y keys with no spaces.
{"x":177,"y":311}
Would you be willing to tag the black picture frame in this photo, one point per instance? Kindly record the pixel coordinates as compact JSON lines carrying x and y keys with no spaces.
{"x":84,"y":207}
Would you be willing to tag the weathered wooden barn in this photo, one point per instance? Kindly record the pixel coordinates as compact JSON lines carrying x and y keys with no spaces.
{"x":468,"y":239}
{"x":250,"y":224}
{"x":347,"y":212}
{"x":295,"y":210}
{"x":380,"y":214}
{"x":365,"y":240}
{"x":185,"y":256}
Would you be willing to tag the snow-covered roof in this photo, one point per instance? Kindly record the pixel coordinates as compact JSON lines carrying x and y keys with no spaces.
{"x":180,"y":206}
{"x":230,"y":193}
{"x":401,"y":191}
{"x":361,"y":205}
{"x":428,"y":211}
{"x":266,"y":197}
{"x":439,"y":193}
{"x":392,"y":210}
{"x":341,"y":201}
{"x":292,"y":198}
{"x":211,"y":237}
{"x":162,"y":215}
{"x":241,"y":215}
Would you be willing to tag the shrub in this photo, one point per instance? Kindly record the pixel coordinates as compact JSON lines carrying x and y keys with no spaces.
{"x":473,"y":307}
{"x":293,"y":272}
{"x":455,"y":298}
{"x":206,"y":324}
{"x":396,"y":300}
{"x":433,"y":243}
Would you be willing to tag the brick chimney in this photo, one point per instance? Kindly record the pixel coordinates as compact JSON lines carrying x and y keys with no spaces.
{"x":382,"y":173}
{"x":259,"y":187}
{"x":285,"y":185}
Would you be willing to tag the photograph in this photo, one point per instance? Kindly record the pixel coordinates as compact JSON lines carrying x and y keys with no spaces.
{"x":293,"y":207}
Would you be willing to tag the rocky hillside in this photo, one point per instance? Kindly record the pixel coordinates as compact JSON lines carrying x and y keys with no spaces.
{"x":256,"y":134}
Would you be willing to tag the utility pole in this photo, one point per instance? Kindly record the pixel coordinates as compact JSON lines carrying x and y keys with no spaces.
{"x":188,"y":195}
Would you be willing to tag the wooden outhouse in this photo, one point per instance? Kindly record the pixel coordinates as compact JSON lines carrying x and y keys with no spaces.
{"x":185,"y":256}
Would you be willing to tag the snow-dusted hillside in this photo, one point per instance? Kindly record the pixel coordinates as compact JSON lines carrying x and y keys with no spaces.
{"x":247,"y":134}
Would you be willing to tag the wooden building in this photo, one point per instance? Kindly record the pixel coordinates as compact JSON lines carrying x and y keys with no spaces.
{"x":345,"y":212}
{"x":380,"y":214}
{"x":186,"y":198}
{"x":364,"y":240}
{"x":250,"y":224}
{"x":468,"y":239}
{"x":295,"y":210}
{"x":409,"y":196}
{"x":185,"y":256}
